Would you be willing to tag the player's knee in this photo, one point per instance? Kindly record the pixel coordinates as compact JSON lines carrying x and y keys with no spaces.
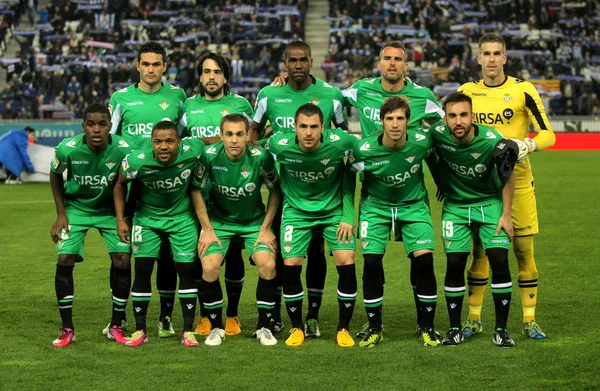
{"x":66,"y":259}
{"x":523,"y":249}
{"x":498,"y":260}
{"x":144,"y":267}
{"x":121,"y":260}
{"x":456,"y":263}
{"x":266,"y":270}
{"x":343,"y":258}
{"x":297,"y":261}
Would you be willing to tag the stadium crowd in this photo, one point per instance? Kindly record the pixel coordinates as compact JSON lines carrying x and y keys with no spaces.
{"x":82,"y":51}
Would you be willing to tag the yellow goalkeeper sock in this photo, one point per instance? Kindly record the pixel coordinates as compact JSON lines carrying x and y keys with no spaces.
{"x":528,"y":275}
{"x":477,"y":279}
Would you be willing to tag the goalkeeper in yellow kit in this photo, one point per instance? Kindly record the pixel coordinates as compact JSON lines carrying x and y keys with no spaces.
{"x":507,"y":104}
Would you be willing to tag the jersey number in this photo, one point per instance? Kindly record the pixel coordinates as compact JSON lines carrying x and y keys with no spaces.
{"x":447,"y":229}
{"x":287,"y":236}
{"x":363,"y":229}
{"x":136,"y":233}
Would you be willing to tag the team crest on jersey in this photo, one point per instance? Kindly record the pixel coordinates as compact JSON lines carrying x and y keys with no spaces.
{"x":476,"y":154}
{"x":325,"y":160}
{"x":364,"y":243}
{"x":55,"y":162}
{"x":164,"y":105}
{"x":315,"y":101}
{"x":447,"y":243}
{"x":224,"y":112}
{"x":125,"y":164}
{"x":507,"y":98}
{"x":288,"y":247}
{"x":142,"y":156}
{"x":245,"y":173}
{"x":110,"y":164}
{"x":410,"y":158}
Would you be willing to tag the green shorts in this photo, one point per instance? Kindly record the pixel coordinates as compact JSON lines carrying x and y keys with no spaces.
{"x":459,"y":222}
{"x":297,"y":230}
{"x":78,"y":227}
{"x":226,"y":232}
{"x":148,"y":233}
{"x":412,"y":221}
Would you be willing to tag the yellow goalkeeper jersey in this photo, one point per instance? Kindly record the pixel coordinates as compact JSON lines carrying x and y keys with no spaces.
{"x":508,"y":108}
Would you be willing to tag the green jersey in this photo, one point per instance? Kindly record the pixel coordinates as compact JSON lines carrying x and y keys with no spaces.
{"x":235,"y":191}
{"x":164,"y":189}
{"x":392,"y":177}
{"x":201,"y":117}
{"x":91,"y":176}
{"x":279,"y":105}
{"x":135,"y":112}
{"x":312,"y":181}
{"x":467,"y":172}
{"x":367,"y":95}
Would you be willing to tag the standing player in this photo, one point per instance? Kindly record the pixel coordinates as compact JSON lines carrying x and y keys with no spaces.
{"x":318,"y":196}
{"x":164,"y":211}
{"x":506,"y":104}
{"x":278,"y":105}
{"x":135,"y":110}
{"x":201,"y":118}
{"x":237,"y":173}
{"x":86,"y":201}
{"x":394,"y":199}
{"x":478,"y":184}
{"x":367,"y":96}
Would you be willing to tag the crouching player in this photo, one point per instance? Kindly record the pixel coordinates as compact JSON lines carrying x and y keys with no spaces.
{"x":236,"y":172}
{"x":164,"y":211}
{"x":476,"y":171}
{"x":394,"y":199}
{"x":86,"y":201}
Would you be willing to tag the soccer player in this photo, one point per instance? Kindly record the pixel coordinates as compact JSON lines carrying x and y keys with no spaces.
{"x":201,"y":118}
{"x":135,"y":110}
{"x":278,"y":105}
{"x":367,"y":96}
{"x":318,"y":196}
{"x":85,"y":201}
{"x":164,"y":210}
{"x":506,"y":104}
{"x":237,"y":173}
{"x":478,"y":183}
{"x":394,"y":198}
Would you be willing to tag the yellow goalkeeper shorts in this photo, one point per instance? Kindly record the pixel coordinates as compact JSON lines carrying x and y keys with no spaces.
{"x":524,"y":211}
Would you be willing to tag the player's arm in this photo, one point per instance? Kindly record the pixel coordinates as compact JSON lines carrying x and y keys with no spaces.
{"x":545,"y":137}
{"x":57,"y":184}
{"x":201,"y":178}
{"x":120,"y":196}
{"x":344,"y":232}
{"x":508,"y":194}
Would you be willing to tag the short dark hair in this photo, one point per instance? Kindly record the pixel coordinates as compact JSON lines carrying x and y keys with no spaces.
{"x":456,"y":97}
{"x":221,"y":62}
{"x":309,"y":109}
{"x":29,"y":129}
{"x":235,"y":118}
{"x":297,"y":45}
{"x":491,"y":38}
{"x":166,"y":125}
{"x":96,"y":108}
{"x":392,"y":104}
{"x":392,"y":44}
{"x":152,"y":47}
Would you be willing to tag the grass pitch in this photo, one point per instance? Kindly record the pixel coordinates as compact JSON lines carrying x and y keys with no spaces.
{"x":568,"y":185}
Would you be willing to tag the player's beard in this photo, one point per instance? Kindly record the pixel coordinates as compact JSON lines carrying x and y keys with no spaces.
{"x":466,"y":132}
{"x":213,"y":93}
{"x":394,"y":80}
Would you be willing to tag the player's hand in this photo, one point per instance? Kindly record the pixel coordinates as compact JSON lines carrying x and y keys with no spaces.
{"x":280,"y":80}
{"x":506,"y":224}
{"x":344,"y":232}
{"x":267,"y":238}
{"x":124,"y":229}
{"x":439,"y":195}
{"x":56,"y":232}
{"x":206,"y":239}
